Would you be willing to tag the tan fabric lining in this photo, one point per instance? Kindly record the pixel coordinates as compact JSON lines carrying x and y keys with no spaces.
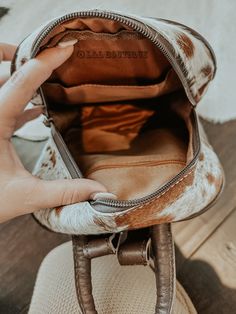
{"x":103,"y":100}
{"x":94,"y":93}
{"x":121,"y":61}
{"x":139,"y":170}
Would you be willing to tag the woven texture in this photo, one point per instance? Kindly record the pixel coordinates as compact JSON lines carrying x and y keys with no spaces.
{"x":117,"y":290}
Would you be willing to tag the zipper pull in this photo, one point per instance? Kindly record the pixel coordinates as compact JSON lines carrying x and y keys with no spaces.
{"x":47,"y":122}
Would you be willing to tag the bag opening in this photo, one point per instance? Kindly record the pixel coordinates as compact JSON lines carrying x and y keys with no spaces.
{"x":119,"y":107}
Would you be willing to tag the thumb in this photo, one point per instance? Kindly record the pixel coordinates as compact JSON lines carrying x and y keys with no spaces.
{"x":54,"y":193}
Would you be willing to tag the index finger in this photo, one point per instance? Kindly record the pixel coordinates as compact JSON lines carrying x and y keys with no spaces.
{"x":7,"y":52}
{"x":19,"y":89}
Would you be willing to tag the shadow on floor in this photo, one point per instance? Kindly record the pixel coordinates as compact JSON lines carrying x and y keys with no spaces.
{"x":208,"y":294}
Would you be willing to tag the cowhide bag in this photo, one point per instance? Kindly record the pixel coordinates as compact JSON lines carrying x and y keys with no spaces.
{"x":121,"y":111}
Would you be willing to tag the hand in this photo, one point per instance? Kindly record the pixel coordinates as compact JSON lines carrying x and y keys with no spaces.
{"x":21,"y":192}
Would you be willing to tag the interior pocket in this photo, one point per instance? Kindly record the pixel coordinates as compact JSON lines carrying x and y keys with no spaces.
{"x":121,"y":58}
{"x":114,"y":103}
{"x":132,"y":181}
{"x":95,"y":93}
{"x":141,"y":169}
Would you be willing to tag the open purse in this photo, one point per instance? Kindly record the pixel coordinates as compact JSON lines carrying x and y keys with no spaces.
{"x":121,"y":111}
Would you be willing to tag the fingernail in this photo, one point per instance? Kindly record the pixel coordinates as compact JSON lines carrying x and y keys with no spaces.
{"x":68,"y":43}
{"x":101,"y":195}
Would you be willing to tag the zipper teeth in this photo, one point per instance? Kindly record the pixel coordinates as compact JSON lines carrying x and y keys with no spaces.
{"x":168,"y":185}
{"x":60,"y":143}
{"x":131,"y":22}
{"x":87,"y":34}
{"x":181,"y":71}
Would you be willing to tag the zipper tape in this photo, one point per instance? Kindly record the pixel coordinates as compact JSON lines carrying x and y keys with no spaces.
{"x":165,"y":47}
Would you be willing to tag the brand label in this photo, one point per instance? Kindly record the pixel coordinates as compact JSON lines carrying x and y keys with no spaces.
{"x":112,"y":54}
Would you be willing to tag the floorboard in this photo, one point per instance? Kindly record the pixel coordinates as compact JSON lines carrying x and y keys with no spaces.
{"x":210,"y":274}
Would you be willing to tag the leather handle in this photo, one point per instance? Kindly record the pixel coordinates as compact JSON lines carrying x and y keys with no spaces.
{"x":83,"y":280}
{"x":164,"y":267}
{"x":135,"y":253}
{"x":162,"y":256}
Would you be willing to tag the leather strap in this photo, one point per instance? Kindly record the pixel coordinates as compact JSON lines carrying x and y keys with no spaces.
{"x":100,"y":246}
{"x":164,"y":267}
{"x":135,"y":253}
{"x":83,"y":280}
{"x":151,"y":246}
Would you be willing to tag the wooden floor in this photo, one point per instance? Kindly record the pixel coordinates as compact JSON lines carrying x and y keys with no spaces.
{"x":205,"y":246}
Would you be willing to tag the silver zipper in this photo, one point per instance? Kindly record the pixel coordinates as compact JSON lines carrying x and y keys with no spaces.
{"x":76,"y":173}
{"x":137,"y":25}
{"x":65,"y":154}
{"x":167,"y":50}
{"x":185,"y":171}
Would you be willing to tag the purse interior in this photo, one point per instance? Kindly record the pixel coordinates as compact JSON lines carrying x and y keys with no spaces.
{"x":120,"y":107}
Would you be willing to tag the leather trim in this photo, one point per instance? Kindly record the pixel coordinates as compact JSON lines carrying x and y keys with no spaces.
{"x":135,"y":249}
{"x":83,"y":280}
{"x":164,"y":267}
